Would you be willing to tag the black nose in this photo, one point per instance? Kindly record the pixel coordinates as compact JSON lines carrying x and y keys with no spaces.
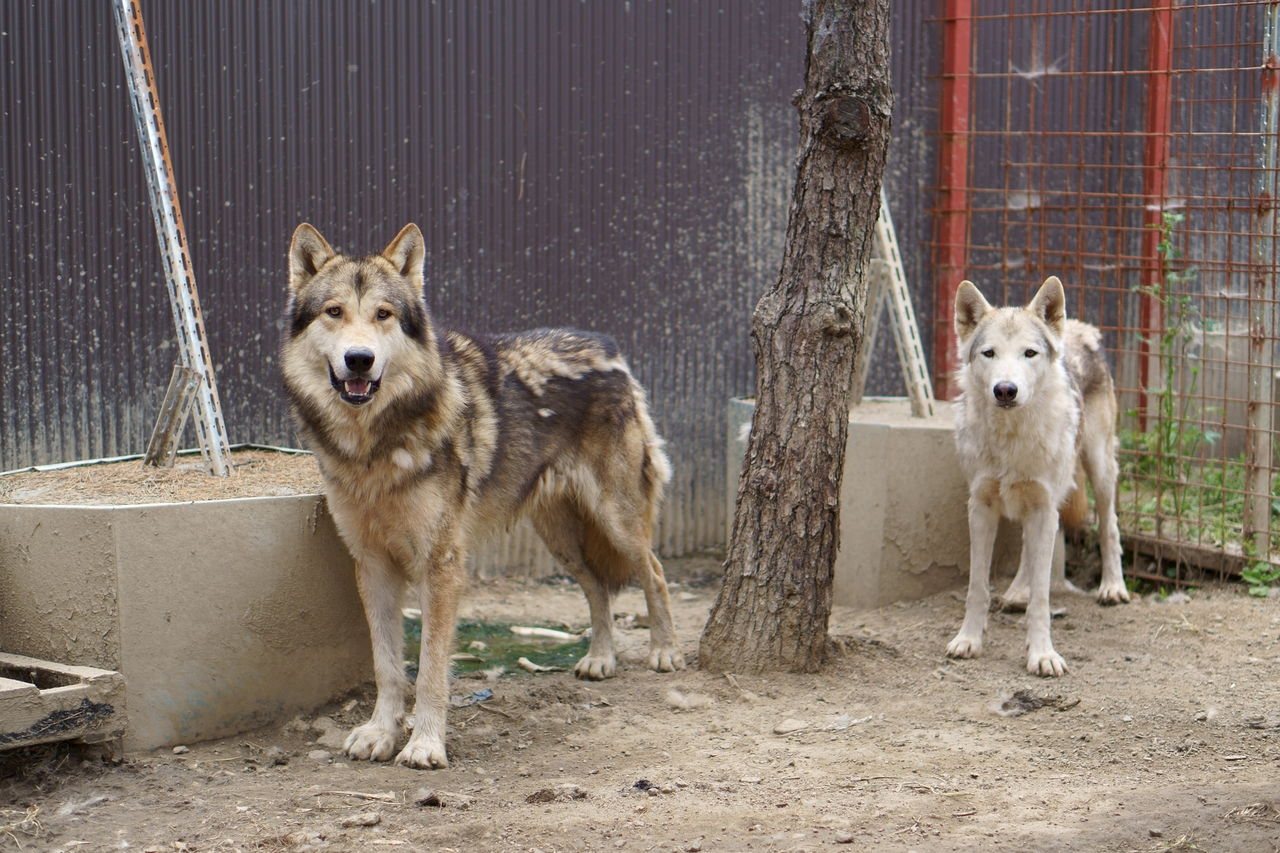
{"x":359,"y":359}
{"x":1005,"y":392}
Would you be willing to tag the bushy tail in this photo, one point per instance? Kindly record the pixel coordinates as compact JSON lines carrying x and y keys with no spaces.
{"x":655,"y":467}
{"x":1075,"y":509}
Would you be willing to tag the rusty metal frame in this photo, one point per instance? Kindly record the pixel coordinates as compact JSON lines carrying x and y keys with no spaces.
{"x":952,"y":216}
{"x":166,"y":209}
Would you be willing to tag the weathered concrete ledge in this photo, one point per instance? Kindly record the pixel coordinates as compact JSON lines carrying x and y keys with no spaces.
{"x":221,"y":615}
{"x":903,"y":519}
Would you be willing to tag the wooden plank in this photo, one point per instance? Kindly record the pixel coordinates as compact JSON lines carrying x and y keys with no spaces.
{"x":75,"y":703}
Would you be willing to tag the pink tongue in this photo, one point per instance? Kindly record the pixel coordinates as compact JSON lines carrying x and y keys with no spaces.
{"x":357,"y":386}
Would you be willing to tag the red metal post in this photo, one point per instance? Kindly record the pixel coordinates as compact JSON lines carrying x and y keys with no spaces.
{"x":1154,"y":184}
{"x":953,"y":187}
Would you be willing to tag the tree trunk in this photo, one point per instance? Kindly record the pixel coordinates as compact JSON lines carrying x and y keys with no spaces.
{"x":772,"y":610}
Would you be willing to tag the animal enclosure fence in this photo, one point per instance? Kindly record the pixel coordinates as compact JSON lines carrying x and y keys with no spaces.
{"x":1131,"y":150}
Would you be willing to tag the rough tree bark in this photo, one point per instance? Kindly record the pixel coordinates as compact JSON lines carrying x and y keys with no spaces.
{"x":772,"y":610}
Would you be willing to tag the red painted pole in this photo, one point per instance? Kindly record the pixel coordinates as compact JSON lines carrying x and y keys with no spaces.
{"x":952,"y":251}
{"x":1154,"y":183}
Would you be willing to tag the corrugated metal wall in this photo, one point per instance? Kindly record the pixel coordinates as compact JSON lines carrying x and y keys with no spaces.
{"x":621,"y":166}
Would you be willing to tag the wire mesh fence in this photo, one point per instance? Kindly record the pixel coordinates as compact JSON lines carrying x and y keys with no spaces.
{"x":1132,"y":151}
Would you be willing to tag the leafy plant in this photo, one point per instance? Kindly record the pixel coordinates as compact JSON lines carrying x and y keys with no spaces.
{"x":1166,"y":448}
{"x":1260,"y":575}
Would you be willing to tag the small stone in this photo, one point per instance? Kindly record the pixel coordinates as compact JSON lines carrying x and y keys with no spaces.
{"x":569,"y":791}
{"x":693,"y":846}
{"x":430,"y":797}
{"x":276,"y":756}
{"x":1202,"y":716}
{"x":844,"y":836}
{"x":321,"y":755}
{"x":301,"y":837}
{"x":320,"y":725}
{"x":788,"y":726}
{"x":1126,"y":719}
{"x":751,"y":780}
{"x":1155,"y":833}
{"x":654,"y":791}
{"x":332,"y":737}
{"x":181,"y":750}
{"x":362,"y":819}
{"x":297,"y":726}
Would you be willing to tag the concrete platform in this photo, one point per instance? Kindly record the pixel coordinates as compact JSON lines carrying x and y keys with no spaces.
{"x":904,"y":524}
{"x":221,"y":615}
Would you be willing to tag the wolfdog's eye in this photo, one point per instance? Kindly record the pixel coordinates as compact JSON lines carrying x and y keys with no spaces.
{"x":988,"y":353}
{"x":1031,"y":353}
{"x":333,"y":311}
{"x":383,"y":313}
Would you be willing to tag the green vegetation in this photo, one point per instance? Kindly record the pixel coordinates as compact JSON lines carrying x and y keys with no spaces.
{"x":1260,"y":576}
{"x":1171,"y":486}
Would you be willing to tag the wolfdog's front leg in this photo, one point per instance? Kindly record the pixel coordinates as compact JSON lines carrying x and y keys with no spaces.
{"x":983,"y":521}
{"x":379,"y":586}
{"x":439,"y":588}
{"x":1038,"y":530}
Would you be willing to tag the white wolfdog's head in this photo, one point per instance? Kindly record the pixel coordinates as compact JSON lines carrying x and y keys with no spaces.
{"x":1004,"y":352}
{"x":357,"y":319}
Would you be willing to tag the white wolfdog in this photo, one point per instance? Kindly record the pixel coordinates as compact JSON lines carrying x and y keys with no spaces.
{"x":1036,"y":413}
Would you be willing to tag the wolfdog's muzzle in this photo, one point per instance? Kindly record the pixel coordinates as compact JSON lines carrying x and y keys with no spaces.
{"x":357,"y":391}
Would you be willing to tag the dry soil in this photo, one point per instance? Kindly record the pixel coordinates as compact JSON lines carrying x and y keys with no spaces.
{"x":1163,"y":737}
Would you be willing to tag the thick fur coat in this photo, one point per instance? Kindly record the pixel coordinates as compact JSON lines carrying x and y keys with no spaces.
{"x":1035,"y":416}
{"x":428,"y":438}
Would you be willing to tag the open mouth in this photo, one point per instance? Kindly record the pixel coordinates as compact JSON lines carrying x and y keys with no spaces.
{"x":1006,"y":404}
{"x":356,"y":391}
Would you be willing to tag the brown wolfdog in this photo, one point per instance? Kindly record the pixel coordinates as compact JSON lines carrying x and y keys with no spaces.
{"x":427,"y":438}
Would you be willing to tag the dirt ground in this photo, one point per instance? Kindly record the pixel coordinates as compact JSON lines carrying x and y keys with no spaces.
{"x":1163,"y":737}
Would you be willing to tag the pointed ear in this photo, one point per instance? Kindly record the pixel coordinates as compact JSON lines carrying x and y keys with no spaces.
{"x":970,"y":308}
{"x":308,"y":252}
{"x":407,"y":252}
{"x":1050,"y":304}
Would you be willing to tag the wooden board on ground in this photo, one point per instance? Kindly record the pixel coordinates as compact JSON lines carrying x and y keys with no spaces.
{"x":42,"y":701}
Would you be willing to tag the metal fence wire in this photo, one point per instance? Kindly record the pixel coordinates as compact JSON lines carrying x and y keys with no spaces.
{"x":1131,"y":150}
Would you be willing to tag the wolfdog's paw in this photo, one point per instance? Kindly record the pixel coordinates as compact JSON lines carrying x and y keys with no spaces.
{"x":425,"y":753}
{"x":1113,"y":593}
{"x":1048,"y":664}
{"x":964,"y":646}
{"x":666,"y":659}
{"x":595,"y":667}
{"x":370,"y":741}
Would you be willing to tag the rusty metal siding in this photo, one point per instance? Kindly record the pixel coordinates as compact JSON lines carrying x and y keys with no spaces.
{"x":621,"y":166}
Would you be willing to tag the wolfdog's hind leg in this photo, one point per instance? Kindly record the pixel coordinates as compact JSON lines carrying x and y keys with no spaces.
{"x":1100,"y":463}
{"x":629,"y":534}
{"x":664,"y":650}
{"x":561,"y":528}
